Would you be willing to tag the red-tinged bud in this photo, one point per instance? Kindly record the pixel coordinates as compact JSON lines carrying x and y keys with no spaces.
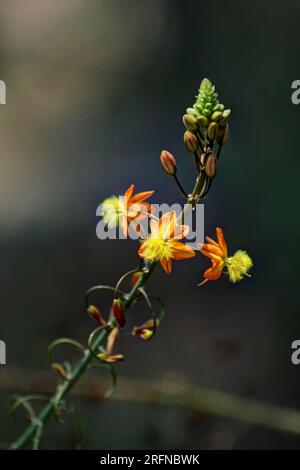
{"x":95,"y":314}
{"x":118,"y":311}
{"x":168,"y":162}
{"x":223,"y":134}
{"x":60,"y":370}
{"x":211,"y":165}
{"x":145,"y":331}
{"x":136,"y":277}
{"x":110,"y":358}
{"x":191,"y":142}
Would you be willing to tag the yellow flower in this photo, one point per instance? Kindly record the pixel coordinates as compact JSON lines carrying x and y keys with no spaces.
{"x":237,"y":266}
{"x":162,"y":244}
{"x":123,"y":209}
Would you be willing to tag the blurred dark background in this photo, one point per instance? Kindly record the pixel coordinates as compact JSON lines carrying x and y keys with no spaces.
{"x":95,"y":90}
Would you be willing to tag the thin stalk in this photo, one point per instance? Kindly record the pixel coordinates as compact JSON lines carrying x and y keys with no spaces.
{"x":180,"y":185}
{"x":197,"y":162}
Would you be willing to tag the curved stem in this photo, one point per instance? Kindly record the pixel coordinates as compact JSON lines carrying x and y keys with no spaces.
{"x":180,"y":185}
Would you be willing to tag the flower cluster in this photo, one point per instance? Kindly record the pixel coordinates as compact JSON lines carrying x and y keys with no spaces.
{"x":206,"y":127}
{"x":206,"y":132}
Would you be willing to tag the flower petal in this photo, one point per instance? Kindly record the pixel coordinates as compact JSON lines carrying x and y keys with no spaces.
{"x":211,"y":255}
{"x":181,"y":250}
{"x":212,"y":249}
{"x":213,"y":273}
{"x":154,"y":227}
{"x":139,"y":197}
{"x":128,"y":193}
{"x":211,"y":241}
{"x":181,"y":231}
{"x":167,"y":225}
{"x":167,"y":265}
{"x":221,"y":240}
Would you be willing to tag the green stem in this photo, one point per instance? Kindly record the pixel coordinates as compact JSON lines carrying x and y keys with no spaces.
{"x":63,"y":389}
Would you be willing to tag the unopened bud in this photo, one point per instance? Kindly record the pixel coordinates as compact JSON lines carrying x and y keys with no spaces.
{"x":60,"y":370}
{"x":190,"y":122}
{"x":191,"y":142}
{"x":118,"y":311}
{"x":168,"y":162}
{"x":211,"y":165}
{"x":225,"y":117}
{"x":216,"y":116}
{"x":136,"y":277}
{"x":190,"y":111}
{"x":110,"y":358}
{"x":95,"y":313}
{"x":203,"y":121}
{"x":223,"y":134}
{"x":212,"y":130}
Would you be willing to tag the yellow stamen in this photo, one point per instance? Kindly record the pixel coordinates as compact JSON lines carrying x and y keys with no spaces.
{"x":156,"y":248}
{"x":112,"y":210}
{"x":238,"y":265}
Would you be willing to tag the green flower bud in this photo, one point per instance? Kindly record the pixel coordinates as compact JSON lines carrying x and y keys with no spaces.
{"x":203,"y":121}
{"x":191,"y":142}
{"x":190,"y":122}
{"x":212,"y":130}
{"x":216,"y":116}
{"x":225,"y":117}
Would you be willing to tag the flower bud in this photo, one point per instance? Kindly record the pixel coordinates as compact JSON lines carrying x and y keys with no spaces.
{"x":118,"y":311}
{"x":223,"y":134}
{"x":190,"y":122}
{"x":211,"y":165}
{"x":168,"y":162}
{"x":225,"y":117}
{"x":216,"y":116}
{"x":136,"y":277}
{"x":212,"y":130}
{"x":190,"y":111}
{"x":110,"y":358}
{"x":60,"y":370}
{"x":95,"y":314}
{"x":147,"y":330}
{"x":203,"y":121}
{"x":191,"y":142}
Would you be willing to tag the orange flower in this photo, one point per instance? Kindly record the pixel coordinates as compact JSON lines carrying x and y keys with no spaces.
{"x":237,"y":265}
{"x":217,"y":253}
{"x":163,"y":245}
{"x":135,"y":206}
{"x":124,"y":209}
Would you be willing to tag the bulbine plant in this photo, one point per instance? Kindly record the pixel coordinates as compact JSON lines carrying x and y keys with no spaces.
{"x":206,"y":132}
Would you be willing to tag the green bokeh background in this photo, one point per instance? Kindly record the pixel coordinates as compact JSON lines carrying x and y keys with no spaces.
{"x":95,"y":90}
